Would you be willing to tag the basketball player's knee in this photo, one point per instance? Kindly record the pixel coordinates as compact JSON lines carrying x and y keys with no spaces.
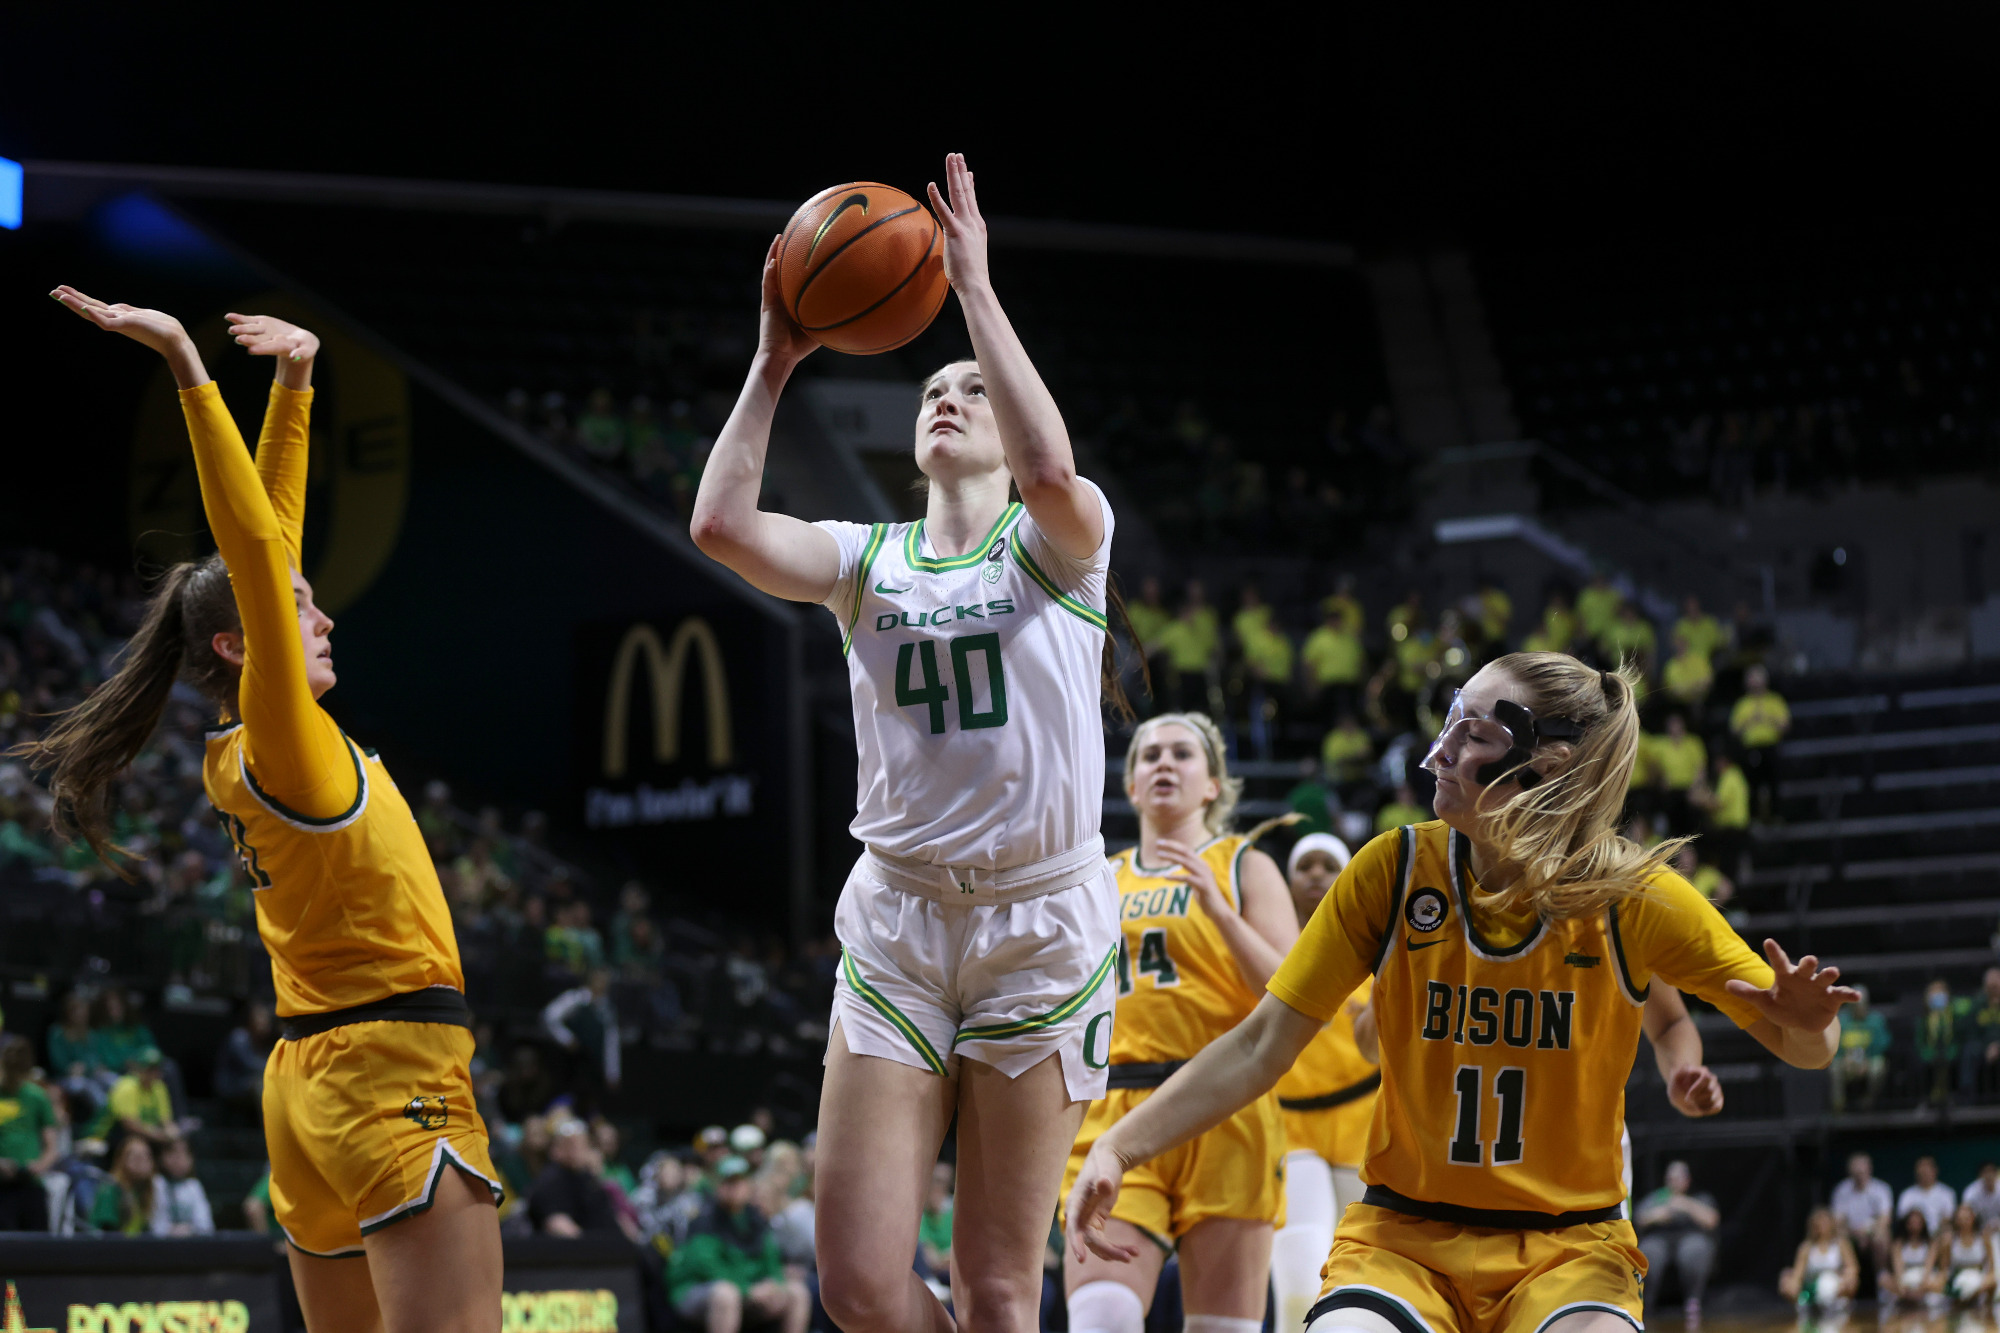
{"x":994,"y":1302}
{"x":1353,"y":1319}
{"x":1106,"y":1307}
{"x":859,"y":1301}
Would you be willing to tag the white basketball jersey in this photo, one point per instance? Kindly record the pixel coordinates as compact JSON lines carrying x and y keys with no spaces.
{"x":976,"y":691}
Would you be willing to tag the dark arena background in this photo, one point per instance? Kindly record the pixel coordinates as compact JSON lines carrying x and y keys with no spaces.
{"x":1514,"y":330}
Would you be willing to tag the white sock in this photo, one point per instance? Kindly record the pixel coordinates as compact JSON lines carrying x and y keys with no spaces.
{"x":1106,"y":1307}
{"x":1219,"y":1323}
{"x":1299,"y":1250}
{"x":1347,"y":1190}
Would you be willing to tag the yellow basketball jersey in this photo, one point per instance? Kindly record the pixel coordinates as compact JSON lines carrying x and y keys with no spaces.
{"x":1505,"y":1042}
{"x":349,"y":907}
{"x":1178,"y":984}
{"x":1328,"y":1095}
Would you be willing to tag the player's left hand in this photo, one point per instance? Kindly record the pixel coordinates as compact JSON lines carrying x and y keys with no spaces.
{"x":1695,"y":1091}
{"x":1802,"y":996}
{"x":1090,"y":1203}
{"x":1206,"y":890}
{"x":267,"y":335}
{"x":964,"y":228}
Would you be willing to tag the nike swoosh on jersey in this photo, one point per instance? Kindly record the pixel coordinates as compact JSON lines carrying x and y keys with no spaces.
{"x":1413,"y":946}
{"x":886,"y":589}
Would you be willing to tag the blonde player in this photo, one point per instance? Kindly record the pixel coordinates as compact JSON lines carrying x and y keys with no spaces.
{"x":1328,"y":1100}
{"x":1513,"y":942}
{"x":979,"y":928}
{"x":1205,"y":922}
{"x":379,"y":1169}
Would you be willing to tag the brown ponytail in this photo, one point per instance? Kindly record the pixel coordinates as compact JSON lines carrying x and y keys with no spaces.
{"x":1114,"y":685}
{"x":90,"y":744}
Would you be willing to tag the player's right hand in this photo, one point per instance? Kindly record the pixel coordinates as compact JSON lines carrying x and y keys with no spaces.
{"x":1090,"y":1203}
{"x":156,"y":329}
{"x":778,"y":334}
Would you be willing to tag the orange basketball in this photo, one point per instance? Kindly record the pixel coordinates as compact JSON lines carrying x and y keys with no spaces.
{"x":861,"y":268}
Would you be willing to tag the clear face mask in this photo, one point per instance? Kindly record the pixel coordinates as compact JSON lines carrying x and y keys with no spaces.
{"x":1509,"y":727}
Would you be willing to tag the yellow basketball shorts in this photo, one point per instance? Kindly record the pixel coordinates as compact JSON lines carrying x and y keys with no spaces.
{"x":1339,"y":1134}
{"x":1426,"y":1276}
{"x":361,"y":1122}
{"x":1236,"y":1169}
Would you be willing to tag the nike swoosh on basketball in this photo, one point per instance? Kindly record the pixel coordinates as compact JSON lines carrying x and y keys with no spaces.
{"x":1413,"y":946}
{"x":885,"y":589}
{"x":852,"y":201}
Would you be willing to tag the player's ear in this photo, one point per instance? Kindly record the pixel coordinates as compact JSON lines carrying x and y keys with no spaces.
{"x":228,"y":645}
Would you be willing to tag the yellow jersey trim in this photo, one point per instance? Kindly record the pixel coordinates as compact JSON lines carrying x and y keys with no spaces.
{"x":306,"y":823}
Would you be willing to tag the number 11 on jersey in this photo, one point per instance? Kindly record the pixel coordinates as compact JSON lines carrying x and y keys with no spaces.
{"x":1510,"y":1089}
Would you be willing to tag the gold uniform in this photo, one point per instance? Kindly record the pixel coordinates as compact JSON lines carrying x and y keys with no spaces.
{"x":1493,"y":1164}
{"x":1179,"y":988}
{"x":369,"y":1096}
{"x":1328,"y":1095}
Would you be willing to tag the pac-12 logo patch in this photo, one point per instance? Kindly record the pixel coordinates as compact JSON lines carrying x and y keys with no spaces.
{"x":1425,"y":911}
{"x":428,"y":1112}
{"x":994,"y":568}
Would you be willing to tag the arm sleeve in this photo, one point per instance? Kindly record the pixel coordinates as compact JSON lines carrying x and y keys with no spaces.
{"x":281,"y":463}
{"x":295,"y":751}
{"x":857,"y":546}
{"x":1676,"y":934}
{"x":1339,"y":947}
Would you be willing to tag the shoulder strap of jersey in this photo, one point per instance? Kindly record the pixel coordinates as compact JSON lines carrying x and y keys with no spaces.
{"x":1406,"y":864}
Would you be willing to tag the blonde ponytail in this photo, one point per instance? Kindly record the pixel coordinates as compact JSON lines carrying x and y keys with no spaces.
{"x":1559,"y":844}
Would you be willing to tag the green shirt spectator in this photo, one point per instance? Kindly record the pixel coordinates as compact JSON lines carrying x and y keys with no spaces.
{"x":1699,"y":631}
{"x":1629,"y":637}
{"x":1688,"y":676}
{"x":1268,"y":654}
{"x":1148,"y":616}
{"x":1419,"y":655}
{"x":1557,"y":630}
{"x":1334,"y":656}
{"x":1190,"y":644}
{"x":730,"y":1242}
{"x":1342,"y":611}
{"x":27,"y":1128}
{"x":1346,"y":751}
{"x":1938,"y":1029}
{"x":1597,"y":606}
{"x":1678,"y":757}
{"x":118,"y":1037}
{"x":1730,"y":805}
{"x":1761,"y":717}
{"x":1311,"y":799}
{"x":140,"y":1103}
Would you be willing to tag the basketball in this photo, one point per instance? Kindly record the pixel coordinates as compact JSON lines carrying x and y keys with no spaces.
{"x":861,"y":268}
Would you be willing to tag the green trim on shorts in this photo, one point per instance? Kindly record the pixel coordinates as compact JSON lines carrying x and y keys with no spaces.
{"x":1056,"y":1015}
{"x":881,"y":1005}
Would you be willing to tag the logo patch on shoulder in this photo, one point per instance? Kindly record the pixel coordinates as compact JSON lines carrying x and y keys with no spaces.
{"x":428,"y":1112}
{"x":991,"y":573}
{"x":1426,"y":910}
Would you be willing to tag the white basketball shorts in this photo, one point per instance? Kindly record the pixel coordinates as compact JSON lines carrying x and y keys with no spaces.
{"x":925,"y":982}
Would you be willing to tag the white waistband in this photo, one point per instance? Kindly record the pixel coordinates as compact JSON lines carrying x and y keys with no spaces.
{"x":965,"y":884}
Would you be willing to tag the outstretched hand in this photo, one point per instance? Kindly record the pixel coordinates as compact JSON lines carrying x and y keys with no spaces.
{"x":154,"y":328}
{"x":1801,"y":996}
{"x":1197,"y":874}
{"x":267,"y":335}
{"x":778,"y":334}
{"x":964,"y":228}
{"x":1090,"y":1203}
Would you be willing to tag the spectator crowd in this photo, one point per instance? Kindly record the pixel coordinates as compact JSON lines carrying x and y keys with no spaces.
{"x":1929,"y":1247}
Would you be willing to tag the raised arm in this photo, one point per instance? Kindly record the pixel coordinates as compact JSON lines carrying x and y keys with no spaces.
{"x":775,"y":553}
{"x":282,"y":452}
{"x":1031,"y":428}
{"x":1231,"y":1072}
{"x":296,"y":753}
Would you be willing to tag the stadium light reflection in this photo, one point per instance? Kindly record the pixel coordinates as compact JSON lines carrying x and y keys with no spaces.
{"x":10,"y":194}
